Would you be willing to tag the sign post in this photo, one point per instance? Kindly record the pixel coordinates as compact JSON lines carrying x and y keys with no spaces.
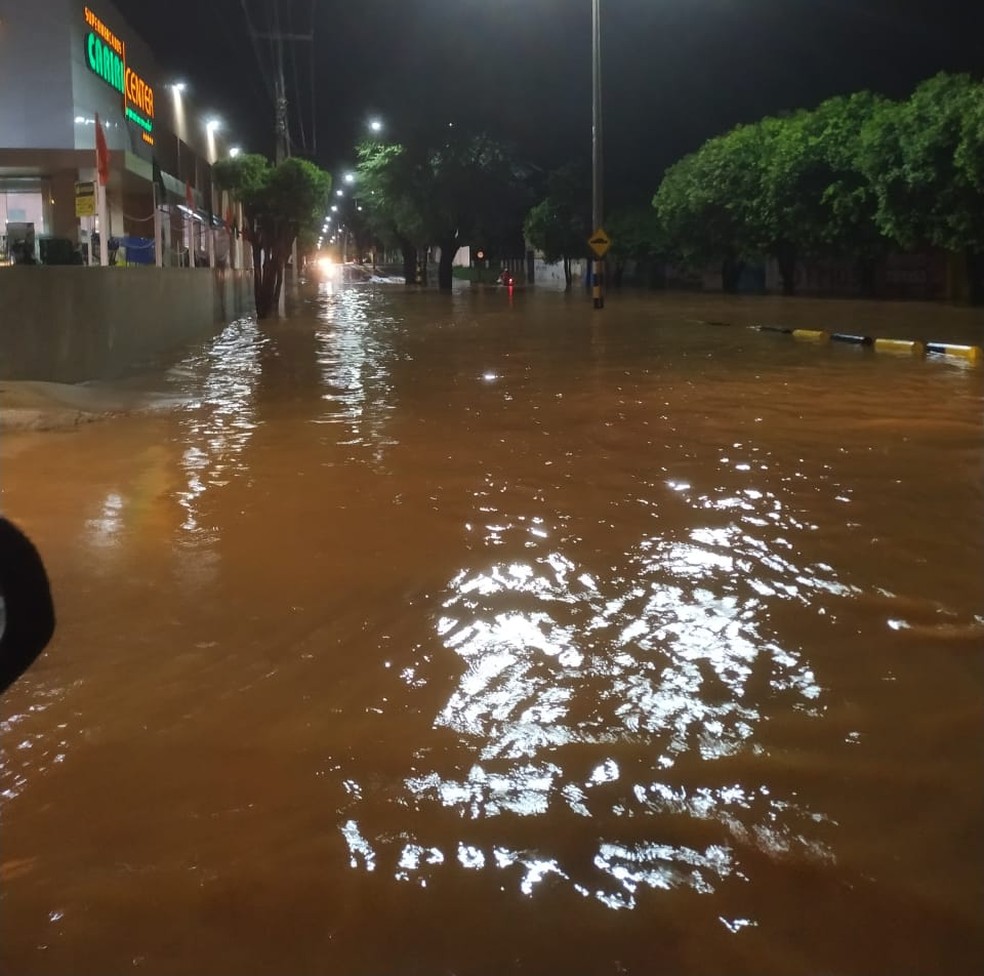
{"x":599,"y":242}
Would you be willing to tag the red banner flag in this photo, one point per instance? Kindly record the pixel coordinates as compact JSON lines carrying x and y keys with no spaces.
{"x":102,"y":154}
{"x":189,"y":197}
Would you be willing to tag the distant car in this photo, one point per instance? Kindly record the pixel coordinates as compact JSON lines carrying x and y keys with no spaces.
{"x":325,"y":269}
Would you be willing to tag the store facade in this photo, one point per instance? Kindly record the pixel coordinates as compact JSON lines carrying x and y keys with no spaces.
{"x":62,"y":64}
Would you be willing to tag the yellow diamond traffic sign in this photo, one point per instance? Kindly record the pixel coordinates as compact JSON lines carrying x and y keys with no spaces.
{"x":600,"y":242}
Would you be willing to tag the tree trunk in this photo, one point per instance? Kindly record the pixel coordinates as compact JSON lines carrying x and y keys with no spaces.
{"x":409,"y":253}
{"x":266,"y":292}
{"x":278,"y":286}
{"x":867,"y":270}
{"x":786,"y":258}
{"x":568,"y":277}
{"x":257,"y":276}
{"x":422,"y":254}
{"x":975,"y":277}
{"x":445,"y":274}
{"x":731,"y":269}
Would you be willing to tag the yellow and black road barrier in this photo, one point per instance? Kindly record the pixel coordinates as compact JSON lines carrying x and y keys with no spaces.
{"x":973,"y":353}
{"x":912,"y":347}
{"x":900,"y":345}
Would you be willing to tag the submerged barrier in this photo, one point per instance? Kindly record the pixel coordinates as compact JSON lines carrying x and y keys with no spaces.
{"x":974,"y":353}
{"x":899,"y":345}
{"x":810,"y":335}
{"x":912,"y":347}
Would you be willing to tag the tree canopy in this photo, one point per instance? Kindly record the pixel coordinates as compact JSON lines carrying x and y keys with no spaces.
{"x":853,"y":177}
{"x":462,"y":189}
{"x":559,"y":225}
{"x":279,"y":202}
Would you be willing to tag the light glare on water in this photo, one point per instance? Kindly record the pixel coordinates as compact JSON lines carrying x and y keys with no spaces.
{"x":470,"y":637}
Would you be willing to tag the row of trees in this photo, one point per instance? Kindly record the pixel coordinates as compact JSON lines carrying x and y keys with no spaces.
{"x":459,"y":189}
{"x":855,"y":177}
{"x":559,"y":225}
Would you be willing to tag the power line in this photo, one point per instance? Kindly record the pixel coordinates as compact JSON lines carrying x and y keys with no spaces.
{"x":254,"y":41}
{"x":314,"y":97}
{"x":297,"y":86}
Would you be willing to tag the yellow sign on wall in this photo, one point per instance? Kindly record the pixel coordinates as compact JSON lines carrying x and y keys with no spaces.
{"x":85,"y":199}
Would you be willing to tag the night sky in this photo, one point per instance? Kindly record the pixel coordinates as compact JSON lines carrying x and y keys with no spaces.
{"x":676,"y":71}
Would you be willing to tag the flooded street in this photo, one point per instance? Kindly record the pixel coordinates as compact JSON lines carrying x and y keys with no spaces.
{"x":428,"y":636}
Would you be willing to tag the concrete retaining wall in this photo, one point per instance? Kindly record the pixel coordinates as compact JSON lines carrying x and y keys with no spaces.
{"x":71,"y":324}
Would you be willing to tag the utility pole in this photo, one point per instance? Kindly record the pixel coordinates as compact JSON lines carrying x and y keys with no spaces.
{"x":277,"y":38}
{"x":281,"y":122}
{"x":597,"y":145}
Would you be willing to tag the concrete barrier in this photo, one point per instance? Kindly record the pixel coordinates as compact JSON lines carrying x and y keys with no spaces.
{"x":71,"y":324}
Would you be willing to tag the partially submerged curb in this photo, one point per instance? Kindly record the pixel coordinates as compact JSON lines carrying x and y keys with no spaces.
{"x":27,"y":405}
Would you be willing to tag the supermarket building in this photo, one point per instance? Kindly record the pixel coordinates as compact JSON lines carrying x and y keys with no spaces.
{"x":62,"y":64}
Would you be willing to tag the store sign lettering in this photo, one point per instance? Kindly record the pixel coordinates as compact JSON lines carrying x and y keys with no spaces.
{"x":105,"y":62}
{"x":105,"y":54}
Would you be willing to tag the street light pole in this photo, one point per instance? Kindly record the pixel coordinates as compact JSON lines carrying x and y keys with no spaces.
{"x":597,"y":160}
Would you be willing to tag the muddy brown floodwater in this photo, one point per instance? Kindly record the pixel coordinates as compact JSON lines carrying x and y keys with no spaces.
{"x":420,"y":636}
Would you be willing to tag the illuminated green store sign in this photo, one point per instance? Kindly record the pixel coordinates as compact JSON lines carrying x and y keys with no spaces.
{"x":105,"y":54}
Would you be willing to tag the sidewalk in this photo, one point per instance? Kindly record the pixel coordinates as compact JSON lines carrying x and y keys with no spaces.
{"x":35,"y":405}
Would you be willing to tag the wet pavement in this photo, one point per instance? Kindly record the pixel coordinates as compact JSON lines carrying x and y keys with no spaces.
{"x":479,"y":636}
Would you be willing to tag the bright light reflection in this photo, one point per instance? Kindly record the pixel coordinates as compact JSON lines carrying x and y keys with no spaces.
{"x":218,"y":422}
{"x":566,"y":669}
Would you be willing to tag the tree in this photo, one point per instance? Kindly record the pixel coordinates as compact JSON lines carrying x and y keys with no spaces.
{"x":559,"y":226}
{"x":462,"y":188}
{"x":389,"y":188}
{"x":786,"y":186}
{"x":705,"y":203}
{"x":278,"y":203}
{"x":637,"y":235}
{"x":923,"y":158}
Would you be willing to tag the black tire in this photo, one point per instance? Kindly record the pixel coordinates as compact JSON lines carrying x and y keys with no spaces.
{"x":28,"y":608}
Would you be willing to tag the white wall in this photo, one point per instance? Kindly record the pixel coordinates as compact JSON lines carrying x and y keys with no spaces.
{"x":35,"y":74}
